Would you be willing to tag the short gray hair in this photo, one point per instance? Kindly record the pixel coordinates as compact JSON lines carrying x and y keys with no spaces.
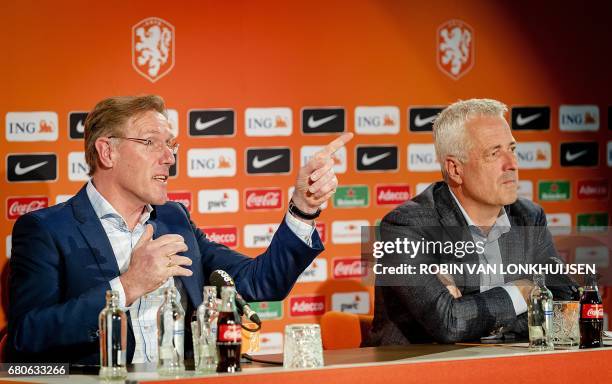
{"x":450,"y":135}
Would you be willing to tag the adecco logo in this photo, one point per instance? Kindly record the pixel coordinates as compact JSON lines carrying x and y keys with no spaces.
{"x":307,"y":306}
{"x":226,"y":235}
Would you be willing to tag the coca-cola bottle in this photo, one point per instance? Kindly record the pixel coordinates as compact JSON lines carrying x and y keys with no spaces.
{"x":229,"y":332}
{"x":113,"y":339}
{"x":171,"y":334}
{"x":591,"y":315}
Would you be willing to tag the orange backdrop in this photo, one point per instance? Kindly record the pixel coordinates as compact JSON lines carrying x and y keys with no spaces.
{"x":64,"y":56}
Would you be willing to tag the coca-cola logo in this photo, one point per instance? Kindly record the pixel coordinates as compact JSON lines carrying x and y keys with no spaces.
{"x":306,"y":306}
{"x":230,"y":333}
{"x":181,"y":197}
{"x":321,"y":230}
{"x":263,"y":198}
{"x":347,"y":268}
{"x":392,"y":194}
{"x":18,"y":206}
{"x":592,"y":311}
{"x":227,"y":236}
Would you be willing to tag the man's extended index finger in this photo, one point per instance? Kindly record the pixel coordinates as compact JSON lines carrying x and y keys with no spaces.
{"x":338,"y":143}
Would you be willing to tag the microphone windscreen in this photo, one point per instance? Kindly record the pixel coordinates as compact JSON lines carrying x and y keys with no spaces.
{"x":220,"y":278}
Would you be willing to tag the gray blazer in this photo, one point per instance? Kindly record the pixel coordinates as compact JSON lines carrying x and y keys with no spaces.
{"x":420,"y":309}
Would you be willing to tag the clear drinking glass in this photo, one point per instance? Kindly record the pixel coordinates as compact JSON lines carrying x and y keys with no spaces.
{"x":303,"y":347}
{"x":565,"y":327}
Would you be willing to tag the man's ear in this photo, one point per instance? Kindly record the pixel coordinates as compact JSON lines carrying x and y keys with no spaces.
{"x":105,"y":152}
{"x":454,"y":169}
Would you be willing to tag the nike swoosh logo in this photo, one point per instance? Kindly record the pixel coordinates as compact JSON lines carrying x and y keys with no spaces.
{"x":312,"y":123}
{"x":22,"y":171}
{"x":80,"y":128}
{"x":200,"y":126}
{"x":366,"y":161}
{"x":573,"y":156}
{"x":520,"y":120}
{"x":419,"y":122}
{"x":262,"y":163}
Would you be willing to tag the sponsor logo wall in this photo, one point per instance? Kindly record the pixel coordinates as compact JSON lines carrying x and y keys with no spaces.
{"x":245,"y":128}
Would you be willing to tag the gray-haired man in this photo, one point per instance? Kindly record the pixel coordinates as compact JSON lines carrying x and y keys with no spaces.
{"x":477,"y":201}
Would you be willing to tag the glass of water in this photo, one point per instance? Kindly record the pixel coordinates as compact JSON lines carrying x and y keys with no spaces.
{"x":565,"y":327}
{"x":303,"y":347}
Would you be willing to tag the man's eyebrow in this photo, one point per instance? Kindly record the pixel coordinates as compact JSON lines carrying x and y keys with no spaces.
{"x":498,"y":146}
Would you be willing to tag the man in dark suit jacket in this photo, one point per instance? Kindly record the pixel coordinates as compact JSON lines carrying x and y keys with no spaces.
{"x":120,"y":232}
{"x":477,"y":201}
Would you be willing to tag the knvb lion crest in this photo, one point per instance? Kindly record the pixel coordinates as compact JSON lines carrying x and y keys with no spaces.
{"x":455,"y":47}
{"x":153,"y":48}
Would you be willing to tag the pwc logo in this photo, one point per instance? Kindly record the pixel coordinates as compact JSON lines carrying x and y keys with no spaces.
{"x":182,"y":197}
{"x":217,"y":200}
{"x":226,"y":235}
{"x":534,"y":155}
{"x":316,"y":272}
{"x":323,"y":120}
{"x":19,"y":206}
{"x":422,"y":158}
{"x":307,"y":152}
{"x":153,"y":48}
{"x":349,"y":267}
{"x":31,"y":126}
{"x":211,"y":162}
{"x":578,"y":118}
{"x":455,"y":48}
{"x":593,"y":189}
{"x":212,"y":122}
{"x":261,"y":122}
{"x":261,"y":161}
{"x":353,"y":302}
{"x":306,"y":306}
{"x":349,"y":231}
{"x":377,"y":120}
{"x":392,"y":194}
{"x":257,"y":199}
{"x":530,"y":118}
{"x":78,"y":170}
{"x":421,"y":119}
{"x":31,"y":167}
{"x":76,"y":124}
{"x":259,"y":235}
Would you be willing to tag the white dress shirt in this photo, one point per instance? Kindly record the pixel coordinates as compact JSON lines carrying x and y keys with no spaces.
{"x":143,"y":311}
{"x":492,"y":256}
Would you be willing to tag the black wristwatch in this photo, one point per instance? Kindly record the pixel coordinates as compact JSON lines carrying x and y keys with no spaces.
{"x":295,"y":211}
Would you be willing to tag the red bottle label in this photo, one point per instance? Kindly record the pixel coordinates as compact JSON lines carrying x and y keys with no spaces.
{"x":229,"y":333}
{"x":592,"y":311}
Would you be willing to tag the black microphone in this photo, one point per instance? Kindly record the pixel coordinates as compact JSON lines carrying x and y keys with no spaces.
{"x":220,"y":278}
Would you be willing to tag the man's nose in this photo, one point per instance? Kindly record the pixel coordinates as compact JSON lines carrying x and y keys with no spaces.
{"x":168,"y":156}
{"x":510,"y":161}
